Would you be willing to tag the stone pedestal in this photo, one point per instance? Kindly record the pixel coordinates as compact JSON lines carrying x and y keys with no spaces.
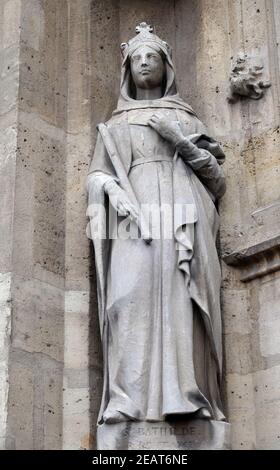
{"x":174,"y":435}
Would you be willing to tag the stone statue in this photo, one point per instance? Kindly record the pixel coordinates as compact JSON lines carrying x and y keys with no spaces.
{"x":159,"y":296}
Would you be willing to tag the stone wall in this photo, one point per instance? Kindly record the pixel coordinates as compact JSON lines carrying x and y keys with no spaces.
{"x":249,"y":133}
{"x":9,"y":75}
{"x":60,"y":66}
{"x":38,"y":258}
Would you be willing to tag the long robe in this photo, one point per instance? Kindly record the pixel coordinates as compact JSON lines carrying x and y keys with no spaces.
{"x":159,"y":305}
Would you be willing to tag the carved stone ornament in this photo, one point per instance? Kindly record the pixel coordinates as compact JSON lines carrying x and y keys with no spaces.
{"x":247,"y":79}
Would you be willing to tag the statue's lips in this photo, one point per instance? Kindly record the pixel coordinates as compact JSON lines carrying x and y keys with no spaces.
{"x":145,"y":72}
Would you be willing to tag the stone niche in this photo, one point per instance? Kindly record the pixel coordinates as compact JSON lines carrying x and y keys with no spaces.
{"x":60,"y":64}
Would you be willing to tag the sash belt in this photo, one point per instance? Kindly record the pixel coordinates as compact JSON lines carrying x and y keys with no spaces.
{"x":141,"y":161}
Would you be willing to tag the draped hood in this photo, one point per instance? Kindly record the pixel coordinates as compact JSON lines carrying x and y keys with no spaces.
{"x":170,"y":99}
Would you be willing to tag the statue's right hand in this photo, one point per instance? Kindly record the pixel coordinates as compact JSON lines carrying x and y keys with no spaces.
{"x":120,"y":201}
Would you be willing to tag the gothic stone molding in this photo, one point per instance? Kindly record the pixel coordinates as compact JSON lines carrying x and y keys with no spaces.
{"x":256,"y":260}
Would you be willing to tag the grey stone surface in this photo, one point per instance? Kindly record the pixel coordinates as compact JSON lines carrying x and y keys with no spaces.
{"x":9,"y":77}
{"x":159,"y":330}
{"x":5,"y":332}
{"x":247,"y":79}
{"x":253,"y":252}
{"x":37,"y":221}
{"x":258,"y":260}
{"x":189,"y":435}
{"x":58,"y":61}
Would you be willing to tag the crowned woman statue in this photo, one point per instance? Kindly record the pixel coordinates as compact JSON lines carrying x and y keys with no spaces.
{"x":158,"y":296}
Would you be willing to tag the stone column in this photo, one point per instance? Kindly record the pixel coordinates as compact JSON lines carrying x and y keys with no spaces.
{"x":10,"y":12}
{"x":250,"y":237}
{"x":37,"y":234}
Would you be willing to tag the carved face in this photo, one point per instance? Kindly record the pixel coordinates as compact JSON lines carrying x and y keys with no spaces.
{"x":147,"y":68}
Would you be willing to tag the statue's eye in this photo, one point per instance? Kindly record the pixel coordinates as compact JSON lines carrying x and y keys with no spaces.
{"x":136,"y":58}
{"x":153,"y":56}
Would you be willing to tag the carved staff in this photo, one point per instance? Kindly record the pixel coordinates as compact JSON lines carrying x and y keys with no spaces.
{"x":124,"y":181}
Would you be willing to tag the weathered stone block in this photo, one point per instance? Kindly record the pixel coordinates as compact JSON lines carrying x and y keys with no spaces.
{"x":188,"y":435}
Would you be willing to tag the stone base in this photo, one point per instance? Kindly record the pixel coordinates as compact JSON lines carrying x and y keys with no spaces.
{"x":166,"y":435}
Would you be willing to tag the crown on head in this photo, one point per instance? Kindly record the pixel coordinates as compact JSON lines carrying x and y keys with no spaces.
{"x":144,"y":35}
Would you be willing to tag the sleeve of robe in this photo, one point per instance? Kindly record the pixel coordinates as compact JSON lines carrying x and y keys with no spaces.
{"x":203,"y":162}
{"x":101,"y":170}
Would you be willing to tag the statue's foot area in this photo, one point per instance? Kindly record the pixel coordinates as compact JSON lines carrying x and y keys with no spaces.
{"x":112,"y":417}
{"x":203,"y":413}
{"x":189,"y":434}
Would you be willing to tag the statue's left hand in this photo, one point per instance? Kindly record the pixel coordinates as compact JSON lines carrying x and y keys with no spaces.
{"x":169,"y":130}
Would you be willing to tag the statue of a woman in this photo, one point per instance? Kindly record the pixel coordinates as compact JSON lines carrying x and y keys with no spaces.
{"x":159,"y":302}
